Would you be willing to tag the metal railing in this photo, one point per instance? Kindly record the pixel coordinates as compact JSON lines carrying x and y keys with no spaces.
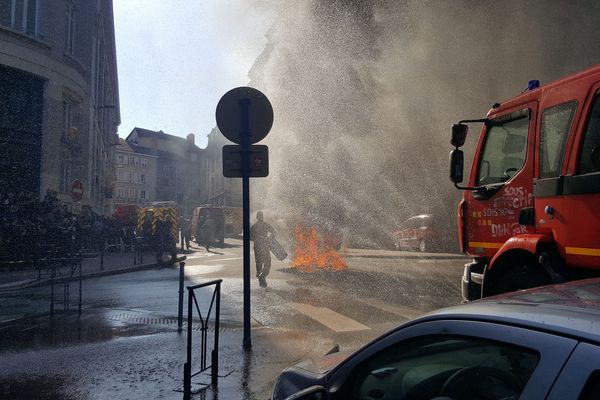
{"x":55,"y":270}
{"x":57,"y":275}
{"x":214,"y":366}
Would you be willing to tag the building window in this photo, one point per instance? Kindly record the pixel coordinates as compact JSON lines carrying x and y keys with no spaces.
{"x":142,"y":194}
{"x":120,"y":159}
{"x":67,"y":118}
{"x":20,"y":15}
{"x":65,"y":177}
{"x":130,"y":177}
{"x":136,"y":160}
{"x":144,"y":162}
{"x":70,"y":30}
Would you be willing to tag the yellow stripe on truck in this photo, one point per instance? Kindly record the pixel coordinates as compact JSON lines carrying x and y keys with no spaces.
{"x":486,"y":245}
{"x":582,"y":251}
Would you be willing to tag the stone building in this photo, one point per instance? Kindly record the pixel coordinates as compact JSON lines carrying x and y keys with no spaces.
{"x":179,"y":174}
{"x":220,"y":191}
{"x":135,"y":174}
{"x":59,"y":99}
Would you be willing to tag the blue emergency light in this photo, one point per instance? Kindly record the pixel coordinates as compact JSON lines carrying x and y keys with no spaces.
{"x":533,"y":84}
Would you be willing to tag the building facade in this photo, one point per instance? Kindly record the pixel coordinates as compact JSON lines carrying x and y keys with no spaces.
{"x":220,"y":191}
{"x":179,"y":169}
{"x":59,"y":99}
{"x":135,"y":174}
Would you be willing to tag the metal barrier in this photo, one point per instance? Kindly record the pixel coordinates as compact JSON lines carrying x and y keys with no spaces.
{"x":57,"y":276}
{"x":214,"y":366}
{"x":59,"y":270}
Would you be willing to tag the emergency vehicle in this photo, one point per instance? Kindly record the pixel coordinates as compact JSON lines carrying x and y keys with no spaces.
{"x":217,"y":226}
{"x":158,"y":226}
{"x":530,"y":214}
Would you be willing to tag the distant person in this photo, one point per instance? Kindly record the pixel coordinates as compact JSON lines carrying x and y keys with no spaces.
{"x":165,"y":235}
{"x":262,"y":233}
{"x":186,"y":233}
{"x":207,"y":227}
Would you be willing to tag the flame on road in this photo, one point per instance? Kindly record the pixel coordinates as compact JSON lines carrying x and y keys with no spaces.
{"x":312,"y":253}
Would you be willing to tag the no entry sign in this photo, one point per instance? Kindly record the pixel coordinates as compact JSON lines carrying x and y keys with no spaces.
{"x":77,"y":190}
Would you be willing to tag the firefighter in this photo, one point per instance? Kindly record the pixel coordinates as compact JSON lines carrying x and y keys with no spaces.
{"x":262,"y":233}
{"x":207,"y":226}
{"x":186,"y":233}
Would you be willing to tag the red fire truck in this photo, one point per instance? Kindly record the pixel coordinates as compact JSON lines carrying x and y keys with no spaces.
{"x":530,"y":214}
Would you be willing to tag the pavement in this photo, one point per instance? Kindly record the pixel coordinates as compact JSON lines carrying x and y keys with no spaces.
{"x":381,"y":253}
{"x":94,"y":265}
{"x":152,"y":353}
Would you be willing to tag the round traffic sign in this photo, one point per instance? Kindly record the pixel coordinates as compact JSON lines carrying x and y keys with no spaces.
{"x":244,"y":111}
{"x":77,"y":190}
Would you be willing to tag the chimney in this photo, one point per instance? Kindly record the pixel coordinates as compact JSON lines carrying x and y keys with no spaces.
{"x":191,"y":138}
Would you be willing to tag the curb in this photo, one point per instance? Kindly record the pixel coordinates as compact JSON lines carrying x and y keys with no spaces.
{"x":89,"y":275}
{"x":415,"y":256}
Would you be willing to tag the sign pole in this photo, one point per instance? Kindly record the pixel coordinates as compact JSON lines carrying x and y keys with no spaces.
{"x":245,"y":116}
{"x":245,"y":150}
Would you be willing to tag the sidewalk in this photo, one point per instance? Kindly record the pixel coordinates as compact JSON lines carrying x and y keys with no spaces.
{"x":381,"y":253}
{"x":149,"y":366}
{"x":92,"y":265}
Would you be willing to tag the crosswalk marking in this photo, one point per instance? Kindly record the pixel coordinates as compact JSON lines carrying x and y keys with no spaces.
{"x":329,"y":318}
{"x":403,"y":311}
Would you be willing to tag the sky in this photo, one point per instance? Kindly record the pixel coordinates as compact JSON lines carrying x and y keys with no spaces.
{"x":176,"y":59}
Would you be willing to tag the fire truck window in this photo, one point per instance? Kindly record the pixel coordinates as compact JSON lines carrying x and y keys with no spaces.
{"x":504,"y":151}
{"x":556,"y":124}
{"x":590,"y":153}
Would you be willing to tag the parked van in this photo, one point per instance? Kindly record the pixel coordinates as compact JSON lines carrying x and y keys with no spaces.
{"x":216,"y":225}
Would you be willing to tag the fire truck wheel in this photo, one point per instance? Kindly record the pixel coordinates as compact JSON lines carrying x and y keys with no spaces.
{"x":521,"y":277}
{"x":166,"y":257}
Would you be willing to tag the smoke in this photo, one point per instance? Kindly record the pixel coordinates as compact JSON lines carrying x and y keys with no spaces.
{"x":364,"y":93}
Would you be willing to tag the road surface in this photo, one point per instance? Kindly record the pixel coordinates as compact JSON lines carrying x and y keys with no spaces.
{"x":126,"y":344}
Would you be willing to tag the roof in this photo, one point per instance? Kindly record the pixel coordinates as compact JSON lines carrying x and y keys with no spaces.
{"x":132,"y":147}
{"x":181,"y":143}
{"x":571,"y":309}
{"x":531,"y":95}
{"x":142,"y":150}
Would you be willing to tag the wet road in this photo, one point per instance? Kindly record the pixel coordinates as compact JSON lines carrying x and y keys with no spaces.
{"x":126,"y":344}
{"x":348,"y":307}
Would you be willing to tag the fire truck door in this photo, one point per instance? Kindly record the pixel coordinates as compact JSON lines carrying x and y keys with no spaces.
{"x":582,"y":194}
{"x":556,"y":123}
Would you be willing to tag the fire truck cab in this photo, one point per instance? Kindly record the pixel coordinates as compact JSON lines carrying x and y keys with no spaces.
{"x":530,"y":214}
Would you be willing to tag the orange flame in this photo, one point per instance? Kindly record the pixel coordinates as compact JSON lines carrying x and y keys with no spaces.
{"x":312,"y":254}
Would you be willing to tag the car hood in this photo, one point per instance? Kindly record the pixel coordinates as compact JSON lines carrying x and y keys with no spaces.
{"x":324,"y":364}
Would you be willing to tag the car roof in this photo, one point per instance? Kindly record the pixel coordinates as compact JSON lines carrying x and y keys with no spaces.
{"x":571,"y":309}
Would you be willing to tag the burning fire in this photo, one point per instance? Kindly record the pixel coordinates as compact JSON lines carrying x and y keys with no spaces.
{"x":312,"y":254}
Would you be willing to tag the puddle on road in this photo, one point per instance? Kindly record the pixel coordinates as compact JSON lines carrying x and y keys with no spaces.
{"x":67,"y":329}
{"x":34,"y":388}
